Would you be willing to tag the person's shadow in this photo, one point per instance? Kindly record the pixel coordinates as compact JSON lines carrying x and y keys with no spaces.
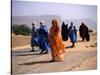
{"x":72,"y":46}
{"x":36,"y":62}
{"x":69,"y":47}
{"x":25,"y":53}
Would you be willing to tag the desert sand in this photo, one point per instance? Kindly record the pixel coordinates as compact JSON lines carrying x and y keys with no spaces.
{"x":20,"y":41}
{"x":82,"y":57}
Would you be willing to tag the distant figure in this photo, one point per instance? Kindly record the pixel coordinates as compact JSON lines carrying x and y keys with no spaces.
{"x":43,"y":38}
{"x":72,"y":34}
{"x":34,"y":37}
{"x":84,"y":34}
{"x":56,"y":42}
{"x":64,"y":31}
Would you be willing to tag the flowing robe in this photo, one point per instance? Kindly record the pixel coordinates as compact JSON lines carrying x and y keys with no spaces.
{"x":56,"y":43}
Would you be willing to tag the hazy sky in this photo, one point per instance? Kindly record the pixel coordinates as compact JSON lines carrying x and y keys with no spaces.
{"x":65,"y":11}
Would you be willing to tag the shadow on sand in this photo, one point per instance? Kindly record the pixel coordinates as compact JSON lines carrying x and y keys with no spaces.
{"x":25,"y":51}
{"x":26,"y":54}
{"x":36,"y":62}
{"x":69,"y":47}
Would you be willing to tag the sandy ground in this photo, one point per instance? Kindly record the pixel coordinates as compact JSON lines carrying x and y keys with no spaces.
{"x":18,"y":40}
{"x":82,"y":57}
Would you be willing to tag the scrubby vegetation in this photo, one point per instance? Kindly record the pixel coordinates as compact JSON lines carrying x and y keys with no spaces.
{"x":90,"y":30}
{"x":21,"y":29}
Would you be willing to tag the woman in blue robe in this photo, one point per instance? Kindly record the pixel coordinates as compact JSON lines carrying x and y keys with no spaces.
{"x":72,"y":35}
{"x":43,"y":38}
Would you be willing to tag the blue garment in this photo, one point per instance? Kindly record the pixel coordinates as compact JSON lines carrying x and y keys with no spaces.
{"x":72,"y":34}
{"x":43,"y":38}
{"x":35,"y":37}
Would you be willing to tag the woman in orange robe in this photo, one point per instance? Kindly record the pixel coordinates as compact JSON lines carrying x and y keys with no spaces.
{"x":56,"y":43}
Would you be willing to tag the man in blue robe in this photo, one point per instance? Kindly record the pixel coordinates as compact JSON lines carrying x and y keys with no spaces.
{"x":72,"y":34}
{"x":34,"y":37}
{"x":43,"y":38}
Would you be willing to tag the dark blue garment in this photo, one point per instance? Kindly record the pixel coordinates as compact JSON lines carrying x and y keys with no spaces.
{"x":35,"y":37}
{"x":72,"y":34}
{"x":43,"y":38}
{"x":35,"y":41}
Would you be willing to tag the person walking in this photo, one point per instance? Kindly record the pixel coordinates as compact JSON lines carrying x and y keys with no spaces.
{"x":43,"y":38}
{"x":34,"y":37}
{"x":56,"y":42}
{"x":72,"y":34}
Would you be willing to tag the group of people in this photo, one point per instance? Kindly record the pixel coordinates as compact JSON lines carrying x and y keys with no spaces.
{"x":70,"y":32}
{"x":40,"y":38}
{"x":53,"y":39}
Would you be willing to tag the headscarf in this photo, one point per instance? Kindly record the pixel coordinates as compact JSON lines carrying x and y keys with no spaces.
{"x":55,"y":25}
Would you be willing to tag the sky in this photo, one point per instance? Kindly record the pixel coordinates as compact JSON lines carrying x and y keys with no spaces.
{"x":65,"y":11}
